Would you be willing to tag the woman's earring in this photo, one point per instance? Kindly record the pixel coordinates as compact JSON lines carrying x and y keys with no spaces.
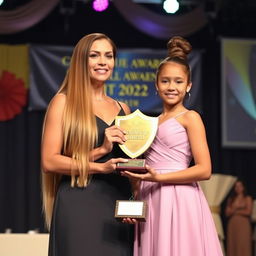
{"x":156,"y":92}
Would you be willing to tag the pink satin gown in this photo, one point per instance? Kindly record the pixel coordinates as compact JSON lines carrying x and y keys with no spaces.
{"x":179,"y":222}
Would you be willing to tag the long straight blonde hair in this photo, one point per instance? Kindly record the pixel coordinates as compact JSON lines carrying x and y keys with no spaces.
{"x":79,"y":123}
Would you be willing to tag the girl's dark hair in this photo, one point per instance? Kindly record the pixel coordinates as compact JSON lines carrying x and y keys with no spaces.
{"x":178,"y":49}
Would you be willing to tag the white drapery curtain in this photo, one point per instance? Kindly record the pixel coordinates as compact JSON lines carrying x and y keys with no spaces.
{"x":216,"y":189}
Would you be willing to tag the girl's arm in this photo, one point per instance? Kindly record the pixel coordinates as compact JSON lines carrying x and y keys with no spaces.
{"x":200,"y":152}
{"x":192,"y":122}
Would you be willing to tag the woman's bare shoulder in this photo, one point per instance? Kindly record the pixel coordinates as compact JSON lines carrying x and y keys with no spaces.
{"x":56,"y":105}
{"x":58,"y":100}
{"x":125,"y":107}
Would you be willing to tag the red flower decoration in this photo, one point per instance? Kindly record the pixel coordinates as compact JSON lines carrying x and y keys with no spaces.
{"x":13,"y":96}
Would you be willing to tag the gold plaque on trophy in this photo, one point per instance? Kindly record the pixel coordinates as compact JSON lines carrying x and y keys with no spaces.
{"x":140,"y":133}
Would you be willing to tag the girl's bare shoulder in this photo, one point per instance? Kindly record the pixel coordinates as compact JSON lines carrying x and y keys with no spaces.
{"x":192,"y":114}
{"x":190,"y":118}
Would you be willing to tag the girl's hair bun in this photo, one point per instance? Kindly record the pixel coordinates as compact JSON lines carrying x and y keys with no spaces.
{"x":178,"y":47}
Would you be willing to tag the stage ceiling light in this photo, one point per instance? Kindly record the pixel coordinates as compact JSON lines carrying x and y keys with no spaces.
{"x":100,"y":5}
{"x":171,"y":6}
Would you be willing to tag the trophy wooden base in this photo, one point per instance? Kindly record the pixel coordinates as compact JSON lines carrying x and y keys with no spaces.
{"x":133,"y":165}
{"x":131,"y":209}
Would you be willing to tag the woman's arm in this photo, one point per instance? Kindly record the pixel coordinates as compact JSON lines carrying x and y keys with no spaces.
{"x":197,"y":139}
{"x":229,"y":208}
{"x":247,"y":210}
{"x":52,"y":140}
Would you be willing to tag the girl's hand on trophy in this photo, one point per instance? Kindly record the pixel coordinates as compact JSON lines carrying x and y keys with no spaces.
{"x":113,"y":134}
{"x":150,"y":175}
{"x":129,"y":220}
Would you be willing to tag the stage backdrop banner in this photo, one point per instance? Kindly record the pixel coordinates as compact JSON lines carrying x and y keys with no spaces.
{"x":132,"y":82}
{"x":238,"y":93}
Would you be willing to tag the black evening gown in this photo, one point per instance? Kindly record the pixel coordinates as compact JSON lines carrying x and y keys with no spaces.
{"x":83,"y":220}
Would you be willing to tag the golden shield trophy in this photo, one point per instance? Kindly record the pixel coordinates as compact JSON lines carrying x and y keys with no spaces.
{"x":140,"y":133}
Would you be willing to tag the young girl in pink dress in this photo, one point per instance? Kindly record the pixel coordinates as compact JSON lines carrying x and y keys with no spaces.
{"x":179,"y":222}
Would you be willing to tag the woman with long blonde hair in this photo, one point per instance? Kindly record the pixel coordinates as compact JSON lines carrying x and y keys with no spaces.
{"x":79,"y":157}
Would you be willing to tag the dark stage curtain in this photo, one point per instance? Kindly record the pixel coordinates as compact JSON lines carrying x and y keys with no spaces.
{"x":20,"y":196}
